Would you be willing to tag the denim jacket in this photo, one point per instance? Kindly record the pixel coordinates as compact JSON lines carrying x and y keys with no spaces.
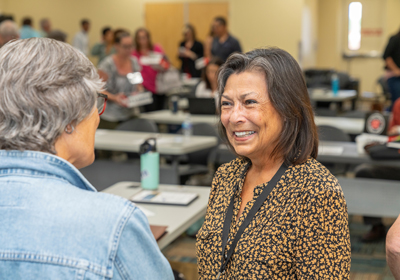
{"x":54,"y":225}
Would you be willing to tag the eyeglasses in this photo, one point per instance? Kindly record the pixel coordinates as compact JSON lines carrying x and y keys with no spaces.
{"x":101,"y":102}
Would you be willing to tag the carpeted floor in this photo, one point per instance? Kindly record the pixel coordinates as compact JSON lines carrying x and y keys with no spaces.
{"x":368,"y":261}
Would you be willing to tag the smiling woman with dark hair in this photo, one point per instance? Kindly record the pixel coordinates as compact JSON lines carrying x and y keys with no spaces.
{"x":274,"y":212}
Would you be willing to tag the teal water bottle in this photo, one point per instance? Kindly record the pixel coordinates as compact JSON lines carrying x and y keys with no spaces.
{"x":335,"y":84}
{"x":149,"y":165}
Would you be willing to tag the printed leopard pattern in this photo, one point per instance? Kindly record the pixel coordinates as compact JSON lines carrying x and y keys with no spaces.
{"x":300,"y":232}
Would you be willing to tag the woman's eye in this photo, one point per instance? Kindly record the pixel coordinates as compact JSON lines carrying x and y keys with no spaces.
{"x":250,"y":101}
{"x":225,"y":103}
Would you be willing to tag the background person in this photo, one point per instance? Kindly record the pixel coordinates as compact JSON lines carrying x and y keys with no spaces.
{"x":208,"y":87}
{"x":393,"y":248}
{"x":189,"y":50}
{"x":106,"y":46}
{"x":27,"y":30}
{"x":392,"y":62}
{"x":145,"y":47}
{"x":300,"y":229}
{"x":49,"y":212}
{"x":45,"y":27}
{"x":57,"y":35}
{"x":223,"y":44}
{"x":8,"y":32}
{"x":81,"y":39}
{"x":113,"y":70}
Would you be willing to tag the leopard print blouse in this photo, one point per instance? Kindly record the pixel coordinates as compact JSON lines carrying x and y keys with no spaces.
{"x":300,"y":232}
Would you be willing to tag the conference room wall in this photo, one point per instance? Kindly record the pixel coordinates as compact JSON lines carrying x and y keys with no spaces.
{"x":255,"y":22}
{"x":332,"y":38}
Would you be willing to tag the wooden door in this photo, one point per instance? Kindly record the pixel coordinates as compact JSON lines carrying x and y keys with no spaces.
{"x":201,"y":16}
{"x":165,"y":22}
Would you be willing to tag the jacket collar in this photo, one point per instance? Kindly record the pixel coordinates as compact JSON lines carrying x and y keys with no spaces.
{"x":44,"y":164}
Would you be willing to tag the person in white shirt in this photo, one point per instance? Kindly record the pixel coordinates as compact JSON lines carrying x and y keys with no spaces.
{"x":81,"y":39}
{"x":207,"y":88}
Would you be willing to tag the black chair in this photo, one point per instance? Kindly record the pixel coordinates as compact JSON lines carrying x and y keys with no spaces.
{"x":139,"y":125}
{"x":199,"y":162}
{"x":321,"y":78}
{"x":330,"y":133}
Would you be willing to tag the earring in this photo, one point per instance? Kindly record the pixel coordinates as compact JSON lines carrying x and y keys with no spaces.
{"x":69,"y":131}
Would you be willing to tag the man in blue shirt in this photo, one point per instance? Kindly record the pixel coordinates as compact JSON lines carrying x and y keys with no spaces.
{"x":223,"y":44}
{"x":27,"y":30}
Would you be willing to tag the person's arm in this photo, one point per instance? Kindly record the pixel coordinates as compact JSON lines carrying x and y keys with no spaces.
{"x":119,"y":98}
{"x":323,"y":241}
{"x":77,"y":42}
{"x":207,"y":47}
{"x":393,"y":249}
{"x":237,"y":47}
{"x":394,"y":125}
{"x":392,"y":66}
{"x":96,"y":50}
{"x":138,"y":255}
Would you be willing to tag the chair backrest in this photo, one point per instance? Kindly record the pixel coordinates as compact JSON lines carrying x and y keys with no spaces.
{"x":140,"y":125}
{"x":202,"y":157}
{"x":385,"y":89}
{"x":330,"y":133}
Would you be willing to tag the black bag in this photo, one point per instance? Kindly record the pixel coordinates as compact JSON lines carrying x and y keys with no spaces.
{"x":381,"y":151}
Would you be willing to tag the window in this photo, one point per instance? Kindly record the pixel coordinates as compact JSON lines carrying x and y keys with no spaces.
{"x":354,"y":35}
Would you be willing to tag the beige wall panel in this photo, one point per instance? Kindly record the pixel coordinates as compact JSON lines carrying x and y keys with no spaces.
{"x":66,"y":15}
{"x":255,"y":23}
{"x":165,"y":22}
{"x":201,"y":16}
{"x":259,"y":23}
{"x":329,"y":55}
{"x":392,"y":23}
{"x":309,"y":33}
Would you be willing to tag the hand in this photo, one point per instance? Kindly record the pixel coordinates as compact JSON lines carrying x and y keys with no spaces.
{"x":120,"y":99}
{"x":190,"y":54}
{"x":395,"y":130}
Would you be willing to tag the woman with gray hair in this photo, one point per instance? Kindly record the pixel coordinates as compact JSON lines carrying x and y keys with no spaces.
{"x":274,"y":212}
{"x":53,"y":223}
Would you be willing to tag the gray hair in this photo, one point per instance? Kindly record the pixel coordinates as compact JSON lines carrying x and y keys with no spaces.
{"x":8,"y":31}
{"x":45,"y":86}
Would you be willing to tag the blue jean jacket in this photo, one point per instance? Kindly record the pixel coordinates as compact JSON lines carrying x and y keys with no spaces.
{"x":54,"y":225}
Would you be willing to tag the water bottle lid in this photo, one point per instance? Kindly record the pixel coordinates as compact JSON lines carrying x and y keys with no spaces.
{"x":147,"y":146}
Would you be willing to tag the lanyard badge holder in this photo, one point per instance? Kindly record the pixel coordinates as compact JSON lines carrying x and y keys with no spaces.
{"x":149,"y":165}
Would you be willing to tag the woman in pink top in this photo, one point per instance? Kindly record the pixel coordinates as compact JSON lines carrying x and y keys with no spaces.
{"x":144,"y":47}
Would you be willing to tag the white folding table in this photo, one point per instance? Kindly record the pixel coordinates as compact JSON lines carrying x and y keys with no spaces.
{"x":176,"y":218}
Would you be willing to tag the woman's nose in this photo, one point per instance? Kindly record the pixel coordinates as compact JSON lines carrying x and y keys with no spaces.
{"x":237,"y":114}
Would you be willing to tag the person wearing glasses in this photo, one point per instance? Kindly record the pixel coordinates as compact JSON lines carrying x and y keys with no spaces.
{"x":114,"y":70}
{"x":54,"y":225}
{"x":274,"y":212}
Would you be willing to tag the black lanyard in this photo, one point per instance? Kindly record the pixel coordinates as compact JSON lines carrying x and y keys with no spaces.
{"x":229,"y":213}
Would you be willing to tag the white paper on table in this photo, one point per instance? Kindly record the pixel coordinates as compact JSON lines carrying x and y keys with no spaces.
{"x":330,"y":150}
{"x":157,"y":197}
{"x":145,"y":211}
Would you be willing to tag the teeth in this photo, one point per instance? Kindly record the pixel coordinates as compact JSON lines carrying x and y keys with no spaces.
{"x":244,"y":133}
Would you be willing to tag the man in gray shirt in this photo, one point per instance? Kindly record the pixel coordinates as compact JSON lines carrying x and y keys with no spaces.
{"x":223,"y":44}
{"x":81,"y":39}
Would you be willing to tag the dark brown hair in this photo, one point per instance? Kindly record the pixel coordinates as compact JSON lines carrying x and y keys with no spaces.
{"x":288,"y":95}
{"x":215,"y":61}
{"x":221,"y":20}
{"x":137,"y":46}
{"x":191,"y":28}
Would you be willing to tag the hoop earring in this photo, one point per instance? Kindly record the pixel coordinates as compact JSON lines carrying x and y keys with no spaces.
{"x":69,"y":131}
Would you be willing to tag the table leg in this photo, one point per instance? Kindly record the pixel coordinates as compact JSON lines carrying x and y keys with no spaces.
{"x":175,"y":169}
